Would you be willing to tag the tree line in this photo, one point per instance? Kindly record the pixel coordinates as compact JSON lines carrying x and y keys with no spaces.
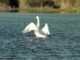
{"x":63,"y":4}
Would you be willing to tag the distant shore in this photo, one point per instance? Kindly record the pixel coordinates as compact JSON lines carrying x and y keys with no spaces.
{"x":6,"y":8}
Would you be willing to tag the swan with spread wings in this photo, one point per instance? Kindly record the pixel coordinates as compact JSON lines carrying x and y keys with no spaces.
{"x":41,"y":33}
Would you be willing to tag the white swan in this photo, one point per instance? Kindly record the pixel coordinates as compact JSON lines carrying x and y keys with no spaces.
{"x":41,"y":33}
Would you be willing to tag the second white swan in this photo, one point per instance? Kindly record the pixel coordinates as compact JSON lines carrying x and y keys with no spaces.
{"x":41,"y":33}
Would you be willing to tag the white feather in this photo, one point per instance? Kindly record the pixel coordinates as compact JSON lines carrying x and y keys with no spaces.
{"x":45,"y":29}
{"x":29,"y":28}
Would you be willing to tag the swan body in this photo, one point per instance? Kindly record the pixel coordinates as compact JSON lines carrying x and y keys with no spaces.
{"x":42,"y":33}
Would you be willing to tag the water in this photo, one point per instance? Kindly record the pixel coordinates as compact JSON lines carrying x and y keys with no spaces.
{"x":63,"y":44}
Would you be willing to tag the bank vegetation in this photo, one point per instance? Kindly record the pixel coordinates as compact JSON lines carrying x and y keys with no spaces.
{"x":50,"y":6}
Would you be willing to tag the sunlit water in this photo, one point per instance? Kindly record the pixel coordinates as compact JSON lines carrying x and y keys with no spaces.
{"x":62,"y":44}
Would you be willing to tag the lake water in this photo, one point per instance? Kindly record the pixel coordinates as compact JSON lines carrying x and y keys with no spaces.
{"x":62,"y":44}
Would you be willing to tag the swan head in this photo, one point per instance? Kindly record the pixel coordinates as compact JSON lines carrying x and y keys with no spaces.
{"x":37,"y":17}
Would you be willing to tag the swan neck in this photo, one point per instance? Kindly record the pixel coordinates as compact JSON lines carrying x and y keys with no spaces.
{"x":38,"y":22}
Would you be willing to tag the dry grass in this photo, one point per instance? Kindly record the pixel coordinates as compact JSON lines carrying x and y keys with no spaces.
{"x":70,"y":10}
{"x":37,"y":9}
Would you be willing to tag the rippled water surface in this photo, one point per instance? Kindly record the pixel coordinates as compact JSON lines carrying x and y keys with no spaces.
{"x":63,"y":44}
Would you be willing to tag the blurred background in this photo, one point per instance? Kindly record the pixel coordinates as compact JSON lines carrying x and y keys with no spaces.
{"x":43,"y":6}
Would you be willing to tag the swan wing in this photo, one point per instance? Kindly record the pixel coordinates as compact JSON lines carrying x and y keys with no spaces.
{"x":29,"y":28}
{"x":45,"y":29}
